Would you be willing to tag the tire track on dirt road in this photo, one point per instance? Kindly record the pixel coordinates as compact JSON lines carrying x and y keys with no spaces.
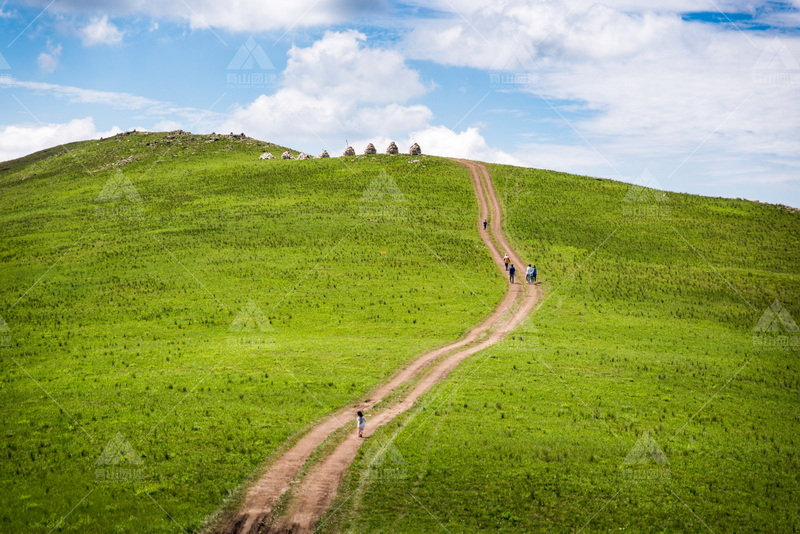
{"x":312,"y":495}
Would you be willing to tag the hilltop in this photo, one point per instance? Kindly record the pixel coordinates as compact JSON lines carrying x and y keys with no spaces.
{"x":178,"y":311}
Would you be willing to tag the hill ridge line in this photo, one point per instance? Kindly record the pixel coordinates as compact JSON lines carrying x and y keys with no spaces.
{"x":318,"y":488}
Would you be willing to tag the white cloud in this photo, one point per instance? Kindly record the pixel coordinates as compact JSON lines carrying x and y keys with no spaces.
{"x":337,"y":88}
{"x":635,"y":81}
{"x":235,"y":16}
{"x":340,"y":66}
{"x":470,"y":144}
{"x":125,"y":101}
{"x":20,"y":140}
{"x":48,"y":61}
{"x":100,"y":31}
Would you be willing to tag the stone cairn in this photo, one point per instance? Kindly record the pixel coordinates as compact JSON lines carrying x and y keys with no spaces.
{"x":370,"y":149}
{"x":349,"y":151}
{"x":415,"y":150}
{"x":287,"y":155}
{"x":392,"y":148}
{"x":303,"y":155}
{"x":266,"y":155}
{"x":324,"y":154}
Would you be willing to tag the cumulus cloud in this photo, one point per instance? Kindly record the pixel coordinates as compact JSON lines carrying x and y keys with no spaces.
{"x":341,"y":66}
{"x":100,"y":31}
{"x":20,"y":140}
{"x":336,"y":88}
{"x":48,"y":61}
{"x":469,"y":143}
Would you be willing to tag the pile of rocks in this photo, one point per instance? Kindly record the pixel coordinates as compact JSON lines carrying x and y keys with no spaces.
{"x":303,"y":155}
{"x":349,"y":151}
{"x":392,"y":148}
{"x":370,"y":149}
{"x":266,"y":155}
{"x":415,"y":150}
{"x":287,"y":155}
{"x":324,"y":154}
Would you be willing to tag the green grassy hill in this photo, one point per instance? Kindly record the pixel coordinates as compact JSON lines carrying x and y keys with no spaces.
{"x":637,"y":398}
{"x":177,"y":309}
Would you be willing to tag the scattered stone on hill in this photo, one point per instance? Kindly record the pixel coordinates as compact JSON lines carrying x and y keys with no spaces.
{"x":303,"y":155}
{"x":415,"y":150}
{"x":170,"y":137}
{"x":287,"y":155}
{"x":349,"y":151}
{"x":414,"y":161}
{"x":324,"y":154}
{"x":266,"y":155}
{"x":370,"y":149}
{"x":121,"y":163}
{"x":213,"y":139}
{"x":392,"y":148}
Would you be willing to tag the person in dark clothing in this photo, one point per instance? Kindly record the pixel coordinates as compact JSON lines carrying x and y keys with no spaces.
{"x":485,"y":224}
{"x":533,"y":274}
{"x":511,"y":271}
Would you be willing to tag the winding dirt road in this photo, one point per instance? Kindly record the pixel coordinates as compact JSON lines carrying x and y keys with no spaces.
{"x":313,"y":494}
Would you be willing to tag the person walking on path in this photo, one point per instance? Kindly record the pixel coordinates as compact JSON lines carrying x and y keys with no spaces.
{"x":485,"y":223}
{"x":362,"y":424}
{"x":506,"y":259}
{"x":511,"y":271}
{"x":528,"y":274}
{"x":533,"y":274}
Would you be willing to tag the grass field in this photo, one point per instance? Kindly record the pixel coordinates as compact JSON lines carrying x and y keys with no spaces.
{"x":637,"y":398}
{"x":174,"y":318}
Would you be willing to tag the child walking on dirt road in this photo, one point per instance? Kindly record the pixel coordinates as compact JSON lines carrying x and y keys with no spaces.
{"x":506,"y":259}
{"x":362,"y":424}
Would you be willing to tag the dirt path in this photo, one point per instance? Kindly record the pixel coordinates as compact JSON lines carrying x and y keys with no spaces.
{"x":317,"y":490}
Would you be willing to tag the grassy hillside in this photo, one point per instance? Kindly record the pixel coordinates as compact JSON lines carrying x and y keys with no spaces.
{"x":177,"y":309}
{"x":637,"y":398}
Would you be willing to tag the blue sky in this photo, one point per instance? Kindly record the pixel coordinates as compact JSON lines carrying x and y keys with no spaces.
{"x":701,"y":94}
